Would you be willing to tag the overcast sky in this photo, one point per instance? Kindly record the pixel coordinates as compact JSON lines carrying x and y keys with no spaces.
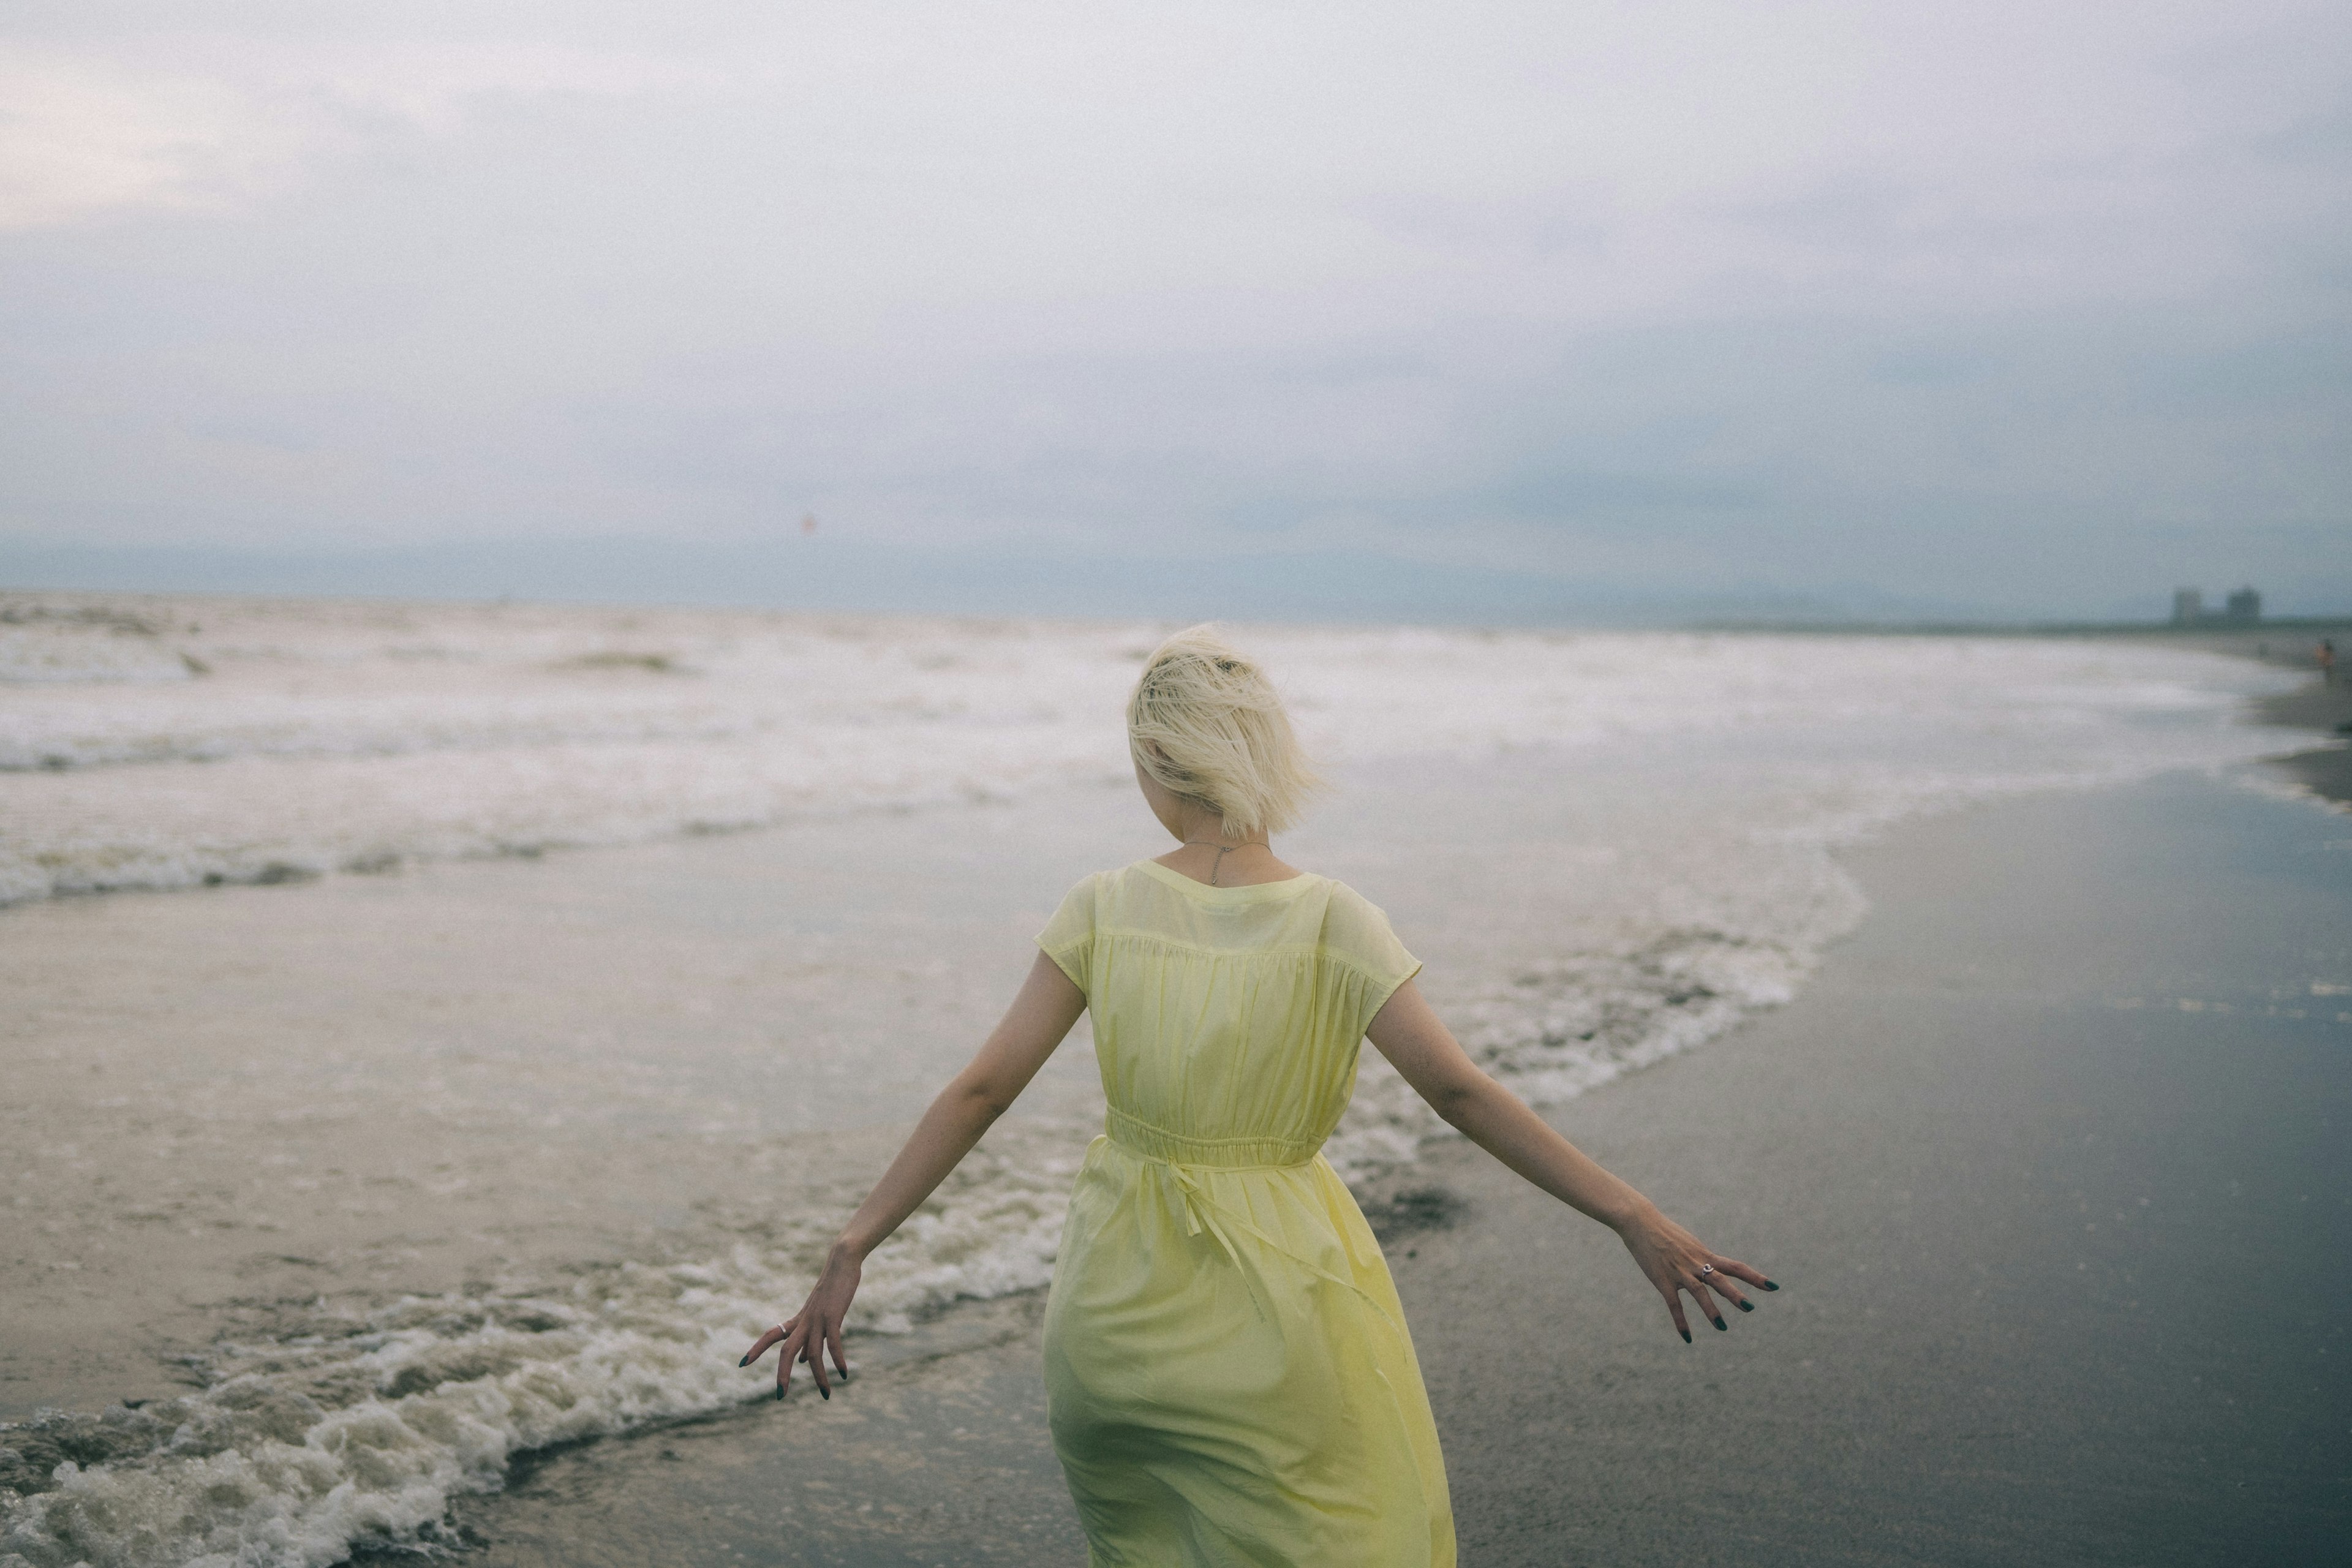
{"x":2030,"y":308}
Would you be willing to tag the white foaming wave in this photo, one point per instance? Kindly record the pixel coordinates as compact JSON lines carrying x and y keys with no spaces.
{"x":355,"y":1430}
{"x":257,"y":819}
{"x":1561,"y":1030}
{"x":78,"y":654}
{"x":342,"y":703}
{"x":354,"y":738}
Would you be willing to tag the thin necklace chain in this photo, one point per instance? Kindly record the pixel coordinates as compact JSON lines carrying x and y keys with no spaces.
{"x":1218,"y":866}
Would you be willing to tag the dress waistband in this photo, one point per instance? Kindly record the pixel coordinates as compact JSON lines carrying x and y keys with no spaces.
{"x":1189,"y":1164}
{"x":1142,"y":1138}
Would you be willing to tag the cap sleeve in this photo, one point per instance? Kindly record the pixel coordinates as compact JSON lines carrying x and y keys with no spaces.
{"x":1357,"y":932}
{"x":1068,"y":938}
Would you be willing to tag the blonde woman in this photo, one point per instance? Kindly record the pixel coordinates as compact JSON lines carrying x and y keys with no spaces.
{"x":1227,"y":1367}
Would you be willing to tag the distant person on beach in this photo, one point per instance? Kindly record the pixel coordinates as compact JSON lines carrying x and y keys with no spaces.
{"x":1228,"y":1373}
{"x":2327,"y":656}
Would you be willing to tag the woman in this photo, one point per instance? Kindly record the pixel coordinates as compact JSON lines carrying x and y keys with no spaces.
{"x":1227,"y":1368}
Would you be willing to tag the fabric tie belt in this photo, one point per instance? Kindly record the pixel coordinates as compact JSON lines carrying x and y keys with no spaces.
{"x":1204,"y":1212}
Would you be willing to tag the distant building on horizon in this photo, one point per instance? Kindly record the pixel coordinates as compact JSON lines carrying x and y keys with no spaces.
{"x":2242,"y":609}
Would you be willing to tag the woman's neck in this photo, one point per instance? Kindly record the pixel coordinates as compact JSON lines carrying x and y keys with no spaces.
{"x":1209,"y":856}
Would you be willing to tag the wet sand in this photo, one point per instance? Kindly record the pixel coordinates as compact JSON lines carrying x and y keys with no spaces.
{"x":2324,"y":766}
{"x":2048,"y":1161}
{"x":2048,"y":1158}
{"x":2326,"y":770}
{"x":476,"y":1074}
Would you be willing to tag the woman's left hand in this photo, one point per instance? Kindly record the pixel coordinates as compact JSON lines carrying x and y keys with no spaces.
{"x":1676,"y":1264}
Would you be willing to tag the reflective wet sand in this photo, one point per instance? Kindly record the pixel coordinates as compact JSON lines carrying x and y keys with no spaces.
{"x":2028,"y":1156}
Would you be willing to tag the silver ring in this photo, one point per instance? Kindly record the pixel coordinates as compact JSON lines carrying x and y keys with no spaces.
{"x":1704,"y":1269}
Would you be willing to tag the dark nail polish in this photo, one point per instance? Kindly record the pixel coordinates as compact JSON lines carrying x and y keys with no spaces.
{"x":745,"y":1362}
{"x":780,"y":1393}
{"x":1745,"y":1306}
{"x":824,"y":1393}
{"x":1686,"y":1336}
{"x":1770,"y":1286}
{"x":1721,"y":1325}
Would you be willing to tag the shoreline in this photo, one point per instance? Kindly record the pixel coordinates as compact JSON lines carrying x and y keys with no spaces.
{"x":2004,"y":1165}
{"x":2019,"y":1156}
{"x":1941,"y":1182}
{"x":2327,"y":710}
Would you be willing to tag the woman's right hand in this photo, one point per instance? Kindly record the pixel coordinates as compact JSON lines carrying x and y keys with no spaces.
{"x":816,"y":1331}
{"x":1677,"y":1263}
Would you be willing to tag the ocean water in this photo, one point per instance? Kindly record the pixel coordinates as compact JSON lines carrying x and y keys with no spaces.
{"x":608,"y":913}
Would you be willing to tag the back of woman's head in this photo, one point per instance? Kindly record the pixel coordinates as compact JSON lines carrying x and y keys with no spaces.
{"x":1206,"y":724}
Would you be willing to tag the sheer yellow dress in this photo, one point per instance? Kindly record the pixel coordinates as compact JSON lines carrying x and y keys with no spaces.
{"x":1226,"y":1364}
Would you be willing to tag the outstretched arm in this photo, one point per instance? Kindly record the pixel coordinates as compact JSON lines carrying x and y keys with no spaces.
{"x":1036,"y":1023}
{"x":1411,"y":1035}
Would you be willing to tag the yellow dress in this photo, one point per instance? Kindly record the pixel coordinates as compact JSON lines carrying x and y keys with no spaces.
{"x":1226,"y":1364}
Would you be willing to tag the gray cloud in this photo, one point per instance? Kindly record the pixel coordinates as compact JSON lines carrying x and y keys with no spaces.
{"x":1928,"y":304}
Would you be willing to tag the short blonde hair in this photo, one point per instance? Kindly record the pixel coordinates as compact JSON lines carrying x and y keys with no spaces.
{"x":1206,"y":723}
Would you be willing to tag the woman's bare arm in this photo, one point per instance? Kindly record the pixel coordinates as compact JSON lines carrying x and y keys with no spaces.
{"x":1040,"y":1016}
{"x":1411,"y":1035}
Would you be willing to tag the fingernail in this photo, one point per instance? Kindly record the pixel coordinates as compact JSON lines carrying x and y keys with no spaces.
{"x":1721,"y":1325}
{"x":1770,"y":1286}
{"x":780,"y":1393}
{"x":824,"y":1393}
{"x":1686,"y":1336}
{"x":1745,"y":1306}
{"x":745,"y":1362}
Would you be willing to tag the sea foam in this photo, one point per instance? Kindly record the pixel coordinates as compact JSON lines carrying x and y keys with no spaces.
{"x":322,"y":737}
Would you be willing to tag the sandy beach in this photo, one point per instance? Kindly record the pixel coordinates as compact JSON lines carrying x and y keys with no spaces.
{"x":2325,"y":771}
{"x":2048,"y":1159}
{"x":431,"y":1206}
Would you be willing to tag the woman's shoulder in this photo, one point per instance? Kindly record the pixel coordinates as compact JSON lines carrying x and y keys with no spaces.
{"x":1099,"y":889}
{"x":1358,"y":930}
{"x":1345,"y":907}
